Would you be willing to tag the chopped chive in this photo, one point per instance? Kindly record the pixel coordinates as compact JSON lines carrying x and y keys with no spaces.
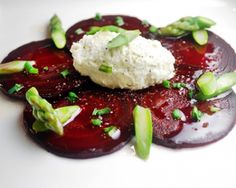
{"x":190,"y":93}
{"x":101,"y":112}
{"x":179,"y":85}
{"x":98,"y":17}
{"x":105,"y":68}
{"x":72,"y":97}
{"x":153,"y":29}
{"x":30,"y":69}
{"x":112,"y":131}
{"x":15,"y":88}
{"x":108,"y":129}
{"x":166,"y":84}
{"x":65,"y":73}
{"x":119,"y":21}
{"x":214,"y":109}
{"x":45,"y":68}
{"x":145,"y":23}
{"x":79,"y":31}
{"x":196,"y":114}
{"x":177,"y":114}
{"x":96,"y":122}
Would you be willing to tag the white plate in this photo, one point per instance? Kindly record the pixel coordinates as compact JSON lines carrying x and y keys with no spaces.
{"x":25,"y":164}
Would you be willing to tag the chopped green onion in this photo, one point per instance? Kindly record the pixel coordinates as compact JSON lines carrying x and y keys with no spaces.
{"x":105,"y":68}
{"x":123,"y":38}
{"x":15,"y":88}
{"x":65,"y":73}
{"x":96,"y":122}
{"x":14,"y":66}
{"x":72,"y":97}
{"x":145,"y":23}
{"x":200,"y":37}
{"x":166,"y":84}
{"x":177,"y":114}
{"x":30,"y":69}
{"x":207,"y":83}
{"x":143,"y":131}
{"x":100,"y":112}
{"x":57,"y":32}
{"x":153,"y":29}
{"x":119,"y":21}
{"x":79,"y":31}
{"x":190,"y":94}
{"x":214,"y":109}
{"x":196,"y":114}
{"x":98,"y":17}
{"x":112,"y":131}
{"x":45,"y":68}
{"x":179,"y":85}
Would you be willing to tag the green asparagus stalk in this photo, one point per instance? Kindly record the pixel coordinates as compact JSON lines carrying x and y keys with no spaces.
{"x":64,"y":114}
{"x":57,"y":32}
{"x":111,"y":28}
{"x":123,"y":39}
{"x":185,"y":25}
{"x":195,"y":25}
{"x":223,"y":83}
{"x":143,"y":131}
{"x":14,"y":66}
{"x":46,"y":117}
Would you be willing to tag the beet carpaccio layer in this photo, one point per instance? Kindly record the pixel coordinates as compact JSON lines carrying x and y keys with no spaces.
{"x":82,"y":140}
{"x":49,"y":82}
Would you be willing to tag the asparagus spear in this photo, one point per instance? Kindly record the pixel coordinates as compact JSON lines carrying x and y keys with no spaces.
{"x":112,"y":28}
{"x":64,"y":114}
{"x":57,"y":32}
{"x":124,"y":37}
{"x":14,"y":66}
{"x":143,"y":131}
{"x":223,"y":83}
{"x":185,"y":25}
{"x":46,"y":117}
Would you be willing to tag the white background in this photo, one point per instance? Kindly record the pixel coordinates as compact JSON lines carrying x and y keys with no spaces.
{"x":25,"y":164}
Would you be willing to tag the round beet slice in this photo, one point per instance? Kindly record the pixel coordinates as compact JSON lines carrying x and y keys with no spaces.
{"x":81,"y":139}
{"x":213,"y":126}
{"x":191,"y":61}
{"x":49,"y":82}
{"x":130,"y":23}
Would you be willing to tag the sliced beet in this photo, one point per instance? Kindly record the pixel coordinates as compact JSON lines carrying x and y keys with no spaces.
{"x":49,"y":83}
{"x":81,"y":139}
{"x":130,"y":23}
{"x":191,"y":61}
{"x":213,"y":126}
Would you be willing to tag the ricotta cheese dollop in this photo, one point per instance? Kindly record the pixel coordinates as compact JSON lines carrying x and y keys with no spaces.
{"x":140,"y":64}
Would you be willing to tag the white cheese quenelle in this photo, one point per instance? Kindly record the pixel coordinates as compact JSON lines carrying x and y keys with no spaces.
{"x":137,"y":65}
